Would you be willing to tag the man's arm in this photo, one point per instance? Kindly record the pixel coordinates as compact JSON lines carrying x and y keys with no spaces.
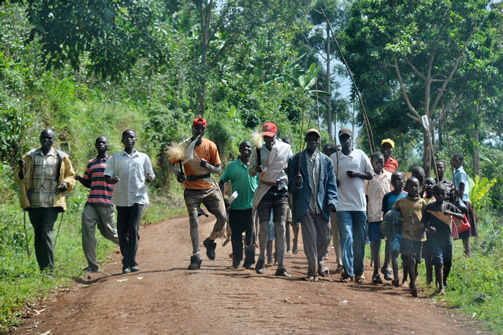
{"x":357,"y":174}
{"x":83,"y":181}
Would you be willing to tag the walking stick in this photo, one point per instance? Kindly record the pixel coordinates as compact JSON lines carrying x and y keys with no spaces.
{"x":426,"y":125}
{"x":26,"y":234}
{"x":57,"y":232}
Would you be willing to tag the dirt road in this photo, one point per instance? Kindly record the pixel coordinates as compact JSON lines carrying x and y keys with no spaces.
{"x":166,"y":298}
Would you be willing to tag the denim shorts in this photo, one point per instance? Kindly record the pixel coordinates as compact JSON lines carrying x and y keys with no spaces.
{"x":411,"y":248}
{"x":375,"y":231}
{"x":441,"y":254}
{"x":395,"y":244}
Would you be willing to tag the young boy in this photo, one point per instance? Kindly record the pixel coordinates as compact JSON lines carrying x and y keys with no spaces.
{"x":429,"y":198}
{"x":375,"y":190}
{"x":438,"y":219}
{"x":389,"y":200}
{"x":412,"y":208}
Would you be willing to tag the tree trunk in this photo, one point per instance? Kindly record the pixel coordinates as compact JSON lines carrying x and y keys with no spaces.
{"x":329,"y":90}
{"x":440,"y":136}
{"x":427,"y":153}
{"x":476,"y":146}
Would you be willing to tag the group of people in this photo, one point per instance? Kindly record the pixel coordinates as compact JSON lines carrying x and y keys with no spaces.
{"x":341,"y":194}
{"x":46,"y":174}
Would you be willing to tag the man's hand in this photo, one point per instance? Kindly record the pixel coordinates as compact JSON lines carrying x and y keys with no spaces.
{"x":351,"y":174}
{"x":298,"y":179}
{"x":149,"y":178}
{"x":114,"y":180}
{"x":432,"y":230}
{"x":331,"y":208}
{"x":63,"y":187}
{"x":204,"y":163}
{"x":258,"y":168}
{"x":180,"y":177}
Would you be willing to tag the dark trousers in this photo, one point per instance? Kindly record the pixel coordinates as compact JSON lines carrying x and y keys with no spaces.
{"x":241,"y":221}
{"x":128,"y":225}
{"x":42,"y":220}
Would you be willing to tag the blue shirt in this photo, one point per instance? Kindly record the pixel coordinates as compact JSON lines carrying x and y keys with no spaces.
{"x":460,"y":177}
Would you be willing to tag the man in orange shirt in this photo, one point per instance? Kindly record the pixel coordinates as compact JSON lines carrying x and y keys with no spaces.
{"x":387,"y":148}
{"x":201,"y":160}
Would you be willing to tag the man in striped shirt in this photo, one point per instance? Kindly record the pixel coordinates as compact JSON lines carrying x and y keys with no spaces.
{"x":99,"y":209}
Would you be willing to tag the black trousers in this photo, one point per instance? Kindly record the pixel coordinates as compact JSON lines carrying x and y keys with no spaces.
{"x":128,"y":225}
{"x":241,"y":221}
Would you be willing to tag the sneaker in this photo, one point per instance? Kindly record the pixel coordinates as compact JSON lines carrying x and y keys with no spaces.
{"x":126,"y":270}
{"x":210,"y":246}
{"x":195,"y":263}
{"x":282,"y":273}
{"x":259,"y":268}
{"x":90,"y":269}
{"x":339,"y":269}
{"x":249,"y":266}
{"x":310,"y":278}
{"x":135,"y":268}
{"x":395,"y":282}
{"x":322,"y":269}
{"x":345,"y":279}
{"x":388,"y":275}
{"x":376,"y":279}
{"x":360,"y":279}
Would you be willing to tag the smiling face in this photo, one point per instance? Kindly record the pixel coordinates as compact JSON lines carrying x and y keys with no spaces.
{"x":47,"y":139}
{"x":245,"y":149}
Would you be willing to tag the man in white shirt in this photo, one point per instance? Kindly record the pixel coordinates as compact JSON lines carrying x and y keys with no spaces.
{"x":129,"y":170}
{"x":352,"y":168}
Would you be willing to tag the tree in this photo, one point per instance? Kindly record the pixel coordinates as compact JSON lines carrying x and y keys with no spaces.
{"x":415,"y":48}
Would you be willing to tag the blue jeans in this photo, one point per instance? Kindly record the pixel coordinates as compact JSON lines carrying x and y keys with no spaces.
{"x":352,"y":230}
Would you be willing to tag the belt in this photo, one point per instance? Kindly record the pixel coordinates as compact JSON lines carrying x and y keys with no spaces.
{"x":197,"y":177}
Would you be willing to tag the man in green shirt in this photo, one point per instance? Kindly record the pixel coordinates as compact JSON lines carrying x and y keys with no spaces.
{"x":240,"y":214}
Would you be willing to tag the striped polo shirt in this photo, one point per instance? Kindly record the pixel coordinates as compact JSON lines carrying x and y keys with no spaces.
{"x":101,"y":192}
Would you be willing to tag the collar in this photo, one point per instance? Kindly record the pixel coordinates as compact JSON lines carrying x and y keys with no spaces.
{"x":51,"y":152}
{"x":106,"y":158}
{"x":125,"y":153}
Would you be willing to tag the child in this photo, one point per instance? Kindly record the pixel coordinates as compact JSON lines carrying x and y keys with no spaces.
{"x":419,"y":173}
{"x":428,"y":197}
{"x":393,"y":248}
{"x":438,"y":220}
{"x":428,"y":190}
{"x":375,"y":190}
{"x":451,"y":190}
{"x":412,"y":208}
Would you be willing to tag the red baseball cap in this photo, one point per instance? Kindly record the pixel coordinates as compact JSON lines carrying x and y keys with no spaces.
{"x":269,"y":129}
{"x":199,"y":120}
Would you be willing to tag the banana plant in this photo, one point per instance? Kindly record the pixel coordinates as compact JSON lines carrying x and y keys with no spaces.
{"x":480,"y":190}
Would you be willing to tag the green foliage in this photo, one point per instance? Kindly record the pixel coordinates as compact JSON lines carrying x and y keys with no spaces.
{"x":480,"y":190}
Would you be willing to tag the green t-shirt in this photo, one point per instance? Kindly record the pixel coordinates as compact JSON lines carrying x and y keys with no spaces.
{"x":237,"y":173}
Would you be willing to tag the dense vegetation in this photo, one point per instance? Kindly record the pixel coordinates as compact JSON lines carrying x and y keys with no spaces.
{"x":86,"y":69}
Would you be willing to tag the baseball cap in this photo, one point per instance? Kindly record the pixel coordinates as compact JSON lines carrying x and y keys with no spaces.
{"x":313,"y":131}
{"x":388,"y":140}
{"x":269,"y":129}
{"x":346,"y":131}
{"x":199,"y":120}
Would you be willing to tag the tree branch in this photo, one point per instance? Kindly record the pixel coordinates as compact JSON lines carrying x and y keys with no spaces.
{"x":416,"y":71}
{"x":404,"y":91}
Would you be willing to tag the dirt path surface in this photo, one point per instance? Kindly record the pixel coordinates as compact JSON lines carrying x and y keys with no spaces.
{"x":166,"y":298}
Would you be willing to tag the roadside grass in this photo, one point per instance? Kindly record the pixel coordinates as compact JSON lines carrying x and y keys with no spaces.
{"x":21,"y":283}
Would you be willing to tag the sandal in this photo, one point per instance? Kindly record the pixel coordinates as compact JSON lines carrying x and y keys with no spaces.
{"x":346,"y":280}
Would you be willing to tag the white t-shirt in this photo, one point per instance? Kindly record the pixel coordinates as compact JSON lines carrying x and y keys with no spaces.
{"x":351,"y":190}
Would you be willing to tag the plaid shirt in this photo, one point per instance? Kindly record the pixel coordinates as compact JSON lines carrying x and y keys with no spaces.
{"x":45,"y":179}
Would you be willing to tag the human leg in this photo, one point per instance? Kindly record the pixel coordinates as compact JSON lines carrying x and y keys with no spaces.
{"x":295,"y":228}
{"x":134,"y":233}
{"x":249,"y":238}
{"x":264,"y":213}
{"x":106,"y":223}
{"x":437,"y":259}
{"x":90,"y":218}
{"x":447,"y":257}
{"x":322,"y":242}
{"x":237,"y":224}
{"x":386,"y":271}
{"x":42,"y":220}
{"x":375,"y":236}
{"x":279,"y":210}
{"x":336,"y":241}
{"x":344,"y":220}
{"x":123,"y":214}
{"x":308,"y":229}
{"x":359,"y":239}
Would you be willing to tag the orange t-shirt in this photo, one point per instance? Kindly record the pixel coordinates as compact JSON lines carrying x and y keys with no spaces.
{"x":207,"y":150}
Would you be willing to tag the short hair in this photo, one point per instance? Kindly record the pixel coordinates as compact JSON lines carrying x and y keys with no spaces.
{"x":376,"y":155}
{"x":417,"y":170}
{"x":430,"y":179}
{"x":410,"y":180}
{"x":440,"y":161}
{"x":286,"y":139}
{"x":396,"y":174}
{"x":128,"y":130}
{"x":459,"y":157}
{"x":439,"y":186}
